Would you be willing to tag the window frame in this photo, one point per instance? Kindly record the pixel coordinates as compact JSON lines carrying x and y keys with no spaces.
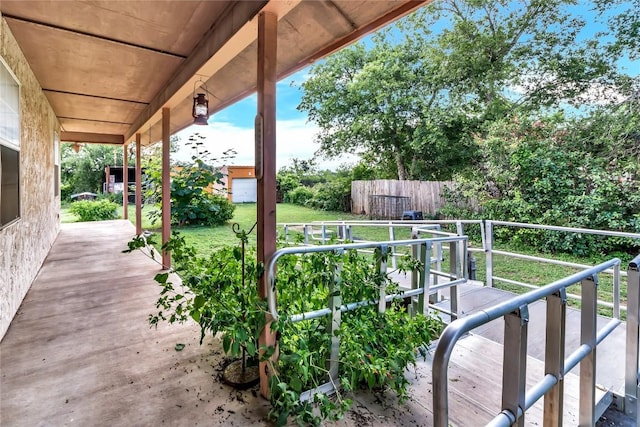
{"x":14,"y":146}
{"x":56,"y":164}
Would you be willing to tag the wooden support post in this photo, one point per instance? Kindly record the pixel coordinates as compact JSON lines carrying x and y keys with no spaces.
{"x":125,"y":182}
{"x":266,"y":165}
{"x":107,"y":172}
{"x":166,"y":185}
{"x":138,"y":185}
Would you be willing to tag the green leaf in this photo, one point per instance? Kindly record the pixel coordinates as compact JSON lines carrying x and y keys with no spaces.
{"x":226,"y":343}
{"x":282,"y":419}
{"x":161,"y":278}
{"x":251,"y":348}
{"x":296,"y":384}
{"x":179,"y":347}
{"x":198,"y":302}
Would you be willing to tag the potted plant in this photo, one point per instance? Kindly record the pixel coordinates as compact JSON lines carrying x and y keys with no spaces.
{"x":219,"y":291}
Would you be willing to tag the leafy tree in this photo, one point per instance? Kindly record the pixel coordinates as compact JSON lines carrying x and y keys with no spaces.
{"x":84,"y":170}
{"x":583,"y":172}
{"x":195,"y":187}
{"x":624,"y":23}
{"x":414,"y":100}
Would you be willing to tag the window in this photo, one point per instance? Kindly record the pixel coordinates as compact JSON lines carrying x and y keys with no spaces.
{"x":9,"y":146}
{"x":56,"y":165}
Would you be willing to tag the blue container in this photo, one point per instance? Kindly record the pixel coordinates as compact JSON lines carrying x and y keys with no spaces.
{"x":414,"y":215}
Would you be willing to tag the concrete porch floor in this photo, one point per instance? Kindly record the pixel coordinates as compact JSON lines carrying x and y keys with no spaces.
{"x":80,"y":350}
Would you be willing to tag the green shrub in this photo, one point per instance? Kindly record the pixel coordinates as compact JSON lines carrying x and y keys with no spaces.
{"x":192,"y":202}
{"x":113,"y":197}
{"x":299,"y":196}
{"x":66,"y":190}
{"x":332,"y":195}
{"x":94,"y":210}
{"x":546,"y":171}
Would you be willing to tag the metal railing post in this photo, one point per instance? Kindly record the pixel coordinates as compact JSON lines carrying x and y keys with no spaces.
{"x":425,"y":280}
{"x":335,"y":301}
{"x":554,"y":357}
{"x":488,"y":253}
{"x":415,"y":272}
{"x":382,"y":269}
{"x":392,"y":237}
{"x":305,"y":227}
{"x":616,"y":291}
{"x":454,"y":268}
{"x":439,"y":257}
{"x":588,"y":332}
{"x":514,"y":374}
{"x":633,"y":334}
{"x":324,"y":234}
{"x":461,"y":248}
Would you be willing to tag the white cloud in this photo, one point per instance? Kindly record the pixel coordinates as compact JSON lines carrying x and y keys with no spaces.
{"x":294,"y":140}
{"x":595,"y":93}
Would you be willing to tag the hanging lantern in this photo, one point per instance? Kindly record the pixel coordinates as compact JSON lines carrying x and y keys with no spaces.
{"x":200,"y":110}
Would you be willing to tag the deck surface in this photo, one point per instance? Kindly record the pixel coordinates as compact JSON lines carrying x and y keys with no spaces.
{"x":609,"y":356}
{"x":80,"y":352}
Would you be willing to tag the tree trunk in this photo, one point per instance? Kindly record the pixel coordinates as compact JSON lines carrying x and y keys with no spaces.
{"x":402,"y":171}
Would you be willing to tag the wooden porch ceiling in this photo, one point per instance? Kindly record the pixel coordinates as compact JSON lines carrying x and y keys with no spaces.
{"x":108,"y":68}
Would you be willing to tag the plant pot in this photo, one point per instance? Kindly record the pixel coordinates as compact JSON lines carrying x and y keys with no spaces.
{"x":233,"y":375}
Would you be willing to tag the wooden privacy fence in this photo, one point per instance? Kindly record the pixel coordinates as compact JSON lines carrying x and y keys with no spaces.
{"x":425,"y":196}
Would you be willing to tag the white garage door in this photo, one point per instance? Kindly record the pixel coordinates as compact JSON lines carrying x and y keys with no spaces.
{"x":244,"y":190}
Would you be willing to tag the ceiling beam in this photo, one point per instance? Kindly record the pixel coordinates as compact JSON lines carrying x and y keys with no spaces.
{"x":94,"y":36}
{"x":226,"y":26}
{"x":393,"y":15}
{"x":93,"y":138}
{"x":64,"y":92}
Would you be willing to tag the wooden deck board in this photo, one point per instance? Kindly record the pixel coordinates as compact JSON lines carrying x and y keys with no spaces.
{"x":609,"y":359}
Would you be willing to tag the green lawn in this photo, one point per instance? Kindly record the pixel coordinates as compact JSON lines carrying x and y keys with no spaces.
{"x":208,"y":238}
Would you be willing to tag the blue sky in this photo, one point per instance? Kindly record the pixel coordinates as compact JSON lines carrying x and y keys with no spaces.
{"x":233,"y":127}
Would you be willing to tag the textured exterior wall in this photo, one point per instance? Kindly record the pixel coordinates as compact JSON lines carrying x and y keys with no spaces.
{"x":25,"y":243}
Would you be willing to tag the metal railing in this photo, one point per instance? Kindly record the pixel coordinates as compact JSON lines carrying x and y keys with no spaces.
{"x":631,"y":400}
{"x":421,"y":286}
{"x":515,"y":314}
{"x":322,"y":232}
{"x":490,"y":252}
{"x":515,"y":398}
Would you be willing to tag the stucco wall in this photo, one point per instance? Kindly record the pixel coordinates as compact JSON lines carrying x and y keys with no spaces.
{"x":25,"y":244}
